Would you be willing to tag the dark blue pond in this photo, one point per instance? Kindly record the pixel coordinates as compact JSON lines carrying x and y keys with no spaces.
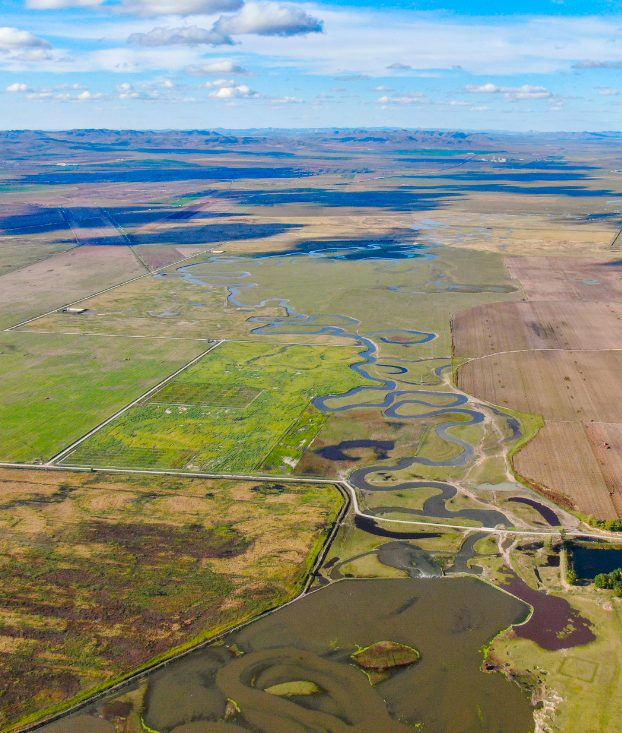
{"x":588,"y":562}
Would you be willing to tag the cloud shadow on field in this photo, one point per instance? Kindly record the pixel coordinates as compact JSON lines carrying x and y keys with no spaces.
{"x":396,"y":200}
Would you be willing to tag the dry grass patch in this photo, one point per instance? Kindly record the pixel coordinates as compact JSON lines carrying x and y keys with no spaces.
{"x":99,"y":575}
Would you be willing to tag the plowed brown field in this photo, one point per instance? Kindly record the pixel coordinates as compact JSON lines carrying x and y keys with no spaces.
{"x":568,"y":278}
{"x":561,"y":359}
{"x":559,"y":385}
{"x":499,"y":327}
{"x":560,"y":461}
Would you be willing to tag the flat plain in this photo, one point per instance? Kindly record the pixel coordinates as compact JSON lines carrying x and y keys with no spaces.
{"x":407,"y":313}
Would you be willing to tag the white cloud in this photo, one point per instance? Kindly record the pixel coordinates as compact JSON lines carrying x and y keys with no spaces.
{"x":405,"y":98}
{"x":61,"y":93}
{"x":512,"y":94}
{"x":480,"y":109}
{"x":455,"y":103}
{"x":399,"y":67}
{"x":235,"y":92}
{"x":607,"y":92}
{"x":268,"y":19}
{"x":18,"y":87}
{"x":484,"y":89}
{"x":219,"y":83}
{"x":215,"y":68}
{"x":13,"y":39}
{"x":287,"y":100}
{"x":381,"y":88}
{"x":58,"y":4}
{"x":184,"y":36}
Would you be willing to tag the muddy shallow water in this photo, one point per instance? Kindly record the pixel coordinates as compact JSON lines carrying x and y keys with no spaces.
{"x":447,"y":620}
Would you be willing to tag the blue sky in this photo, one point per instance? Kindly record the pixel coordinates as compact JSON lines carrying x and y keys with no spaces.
{"x":548,"y":65}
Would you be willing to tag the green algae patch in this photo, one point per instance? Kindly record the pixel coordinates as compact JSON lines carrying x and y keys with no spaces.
{"x":385,"y":655}
{"x":296,"y":687}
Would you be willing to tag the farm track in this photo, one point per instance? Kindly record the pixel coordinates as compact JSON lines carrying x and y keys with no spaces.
{"x":344,"y":485}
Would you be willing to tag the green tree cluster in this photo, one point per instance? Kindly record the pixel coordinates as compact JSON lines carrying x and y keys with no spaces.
{"x":571,"y":576}
{"x":610,"y":581}
{"x":611,"y":525}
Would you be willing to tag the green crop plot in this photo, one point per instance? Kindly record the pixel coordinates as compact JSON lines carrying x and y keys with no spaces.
{"x":180,"y":393}
{"x":54,"y":388}
{"x":254,"y":410}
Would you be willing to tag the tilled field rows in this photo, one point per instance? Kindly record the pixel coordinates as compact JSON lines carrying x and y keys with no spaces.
{"x":564,"y":462}
{"x":567,"y":278}
{"x":499,"y":327}
{"x":559,"y":385}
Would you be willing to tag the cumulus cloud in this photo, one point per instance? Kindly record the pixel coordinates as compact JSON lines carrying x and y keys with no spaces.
{"x":184,"y":36}
{"x":286,"y":100}
{"x":219,"y":84}
{"x":13,"y":39}
{"x":405,"y":98}
{"x":235,"y":92}
{"x":18,"y":87}
{"x":455,"y":103}
{"x":607,"y":92}
{"x":62,"y":93}
{"x":598,"y":65}
{"x":268,"y":19}
{"x":484,"y":89}
{"x":512,"y":94}
{"x":381,"y":89}
{"x":402,"y":67}
{"x":155,"y":91}
{"x":217,"y":67}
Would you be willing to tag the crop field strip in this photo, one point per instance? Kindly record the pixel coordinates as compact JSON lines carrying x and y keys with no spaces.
{"x":264,"y":415}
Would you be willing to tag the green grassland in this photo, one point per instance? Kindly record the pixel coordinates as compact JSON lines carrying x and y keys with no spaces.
{"x":582,"y":687}
{"x":101,"y":575}
{"x":15,"y":252}
{"x":55,"y":388}
{"x":270,"y":426}
{"x":359,"y":289}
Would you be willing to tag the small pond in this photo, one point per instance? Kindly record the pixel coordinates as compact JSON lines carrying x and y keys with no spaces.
{"x":588,"y":562}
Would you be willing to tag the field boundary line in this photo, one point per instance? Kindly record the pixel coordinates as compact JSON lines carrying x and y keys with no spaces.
{"x":69,"y":448}
{"x":528,"y":351}
{"x":15,"y":329}
{"x":169,"y":472}
{"x":149,"y":273}
{"x":113,"y":335}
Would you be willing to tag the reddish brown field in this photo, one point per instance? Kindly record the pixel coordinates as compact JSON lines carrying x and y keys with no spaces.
{"x":561,"y":461}
{"x":568,"y":278}
{"x":500,"y":327}
{"x":559,"y":385}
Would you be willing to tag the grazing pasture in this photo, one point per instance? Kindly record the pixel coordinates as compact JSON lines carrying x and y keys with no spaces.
{"x":54,"y":387}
